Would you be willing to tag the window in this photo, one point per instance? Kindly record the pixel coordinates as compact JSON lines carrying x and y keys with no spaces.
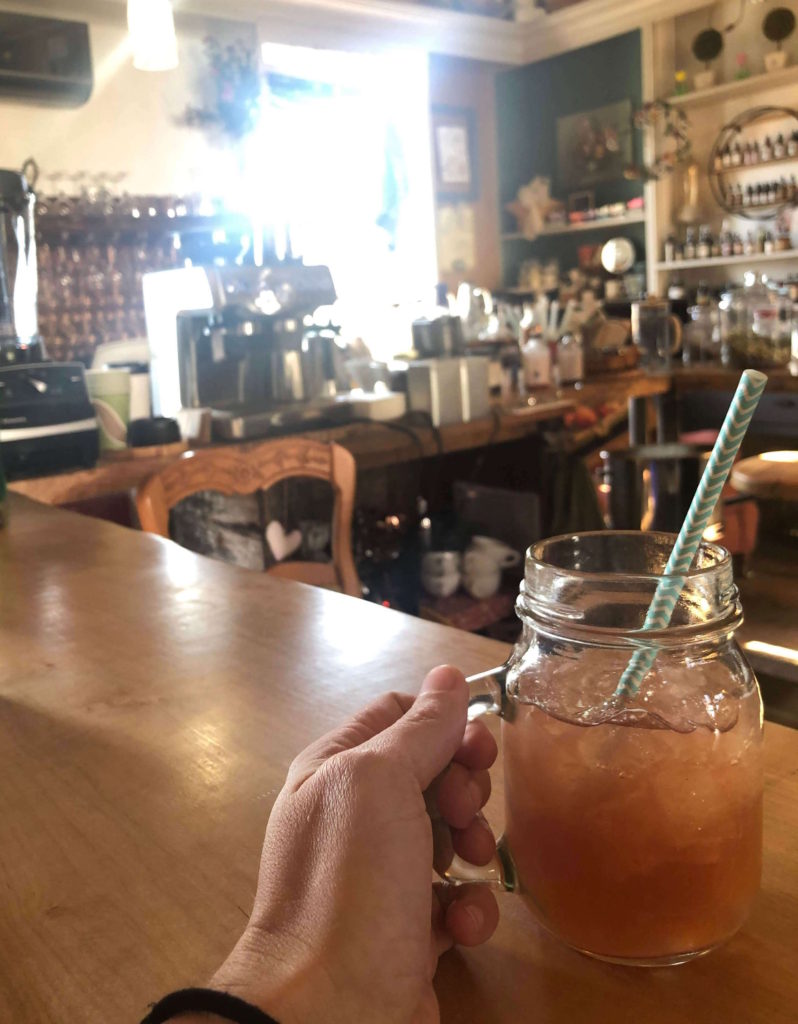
{"x":344,"y":146}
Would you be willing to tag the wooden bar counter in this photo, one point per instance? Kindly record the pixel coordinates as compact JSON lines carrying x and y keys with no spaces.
{"x":150,"y":703}
{"x":374,"y":445}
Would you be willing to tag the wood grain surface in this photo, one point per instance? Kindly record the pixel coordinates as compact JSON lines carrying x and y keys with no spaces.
{"x":150,"y":703}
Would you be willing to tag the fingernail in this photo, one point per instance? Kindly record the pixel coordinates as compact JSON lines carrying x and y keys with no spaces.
{"x":476,"y":915}
{"x":441,"y":679}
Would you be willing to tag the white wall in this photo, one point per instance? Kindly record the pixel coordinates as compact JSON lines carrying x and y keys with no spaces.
{"x":129,"y":123}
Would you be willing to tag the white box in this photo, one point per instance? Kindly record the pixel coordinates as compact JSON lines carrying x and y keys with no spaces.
{"x":451,"y":390}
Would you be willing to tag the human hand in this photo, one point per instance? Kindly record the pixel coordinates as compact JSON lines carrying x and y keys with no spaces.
{"x":346,"y":924}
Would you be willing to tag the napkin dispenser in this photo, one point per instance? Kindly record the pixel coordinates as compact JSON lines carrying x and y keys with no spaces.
{"x":450,"y":390}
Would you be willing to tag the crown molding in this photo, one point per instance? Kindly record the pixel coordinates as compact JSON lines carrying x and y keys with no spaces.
{"x":380,"y":24}
{"x":546,"y":35}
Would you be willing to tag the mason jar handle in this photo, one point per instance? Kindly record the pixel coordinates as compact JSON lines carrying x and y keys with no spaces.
{"x":486,"y":692}
{"x":486,"y":697}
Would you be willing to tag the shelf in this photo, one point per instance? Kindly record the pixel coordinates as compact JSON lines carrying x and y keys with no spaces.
{"x":566,"y":229}
{"x":49,"y":225}
{"x":737,"y":87}
{"x":730,"y":261}
{"x":756,"y":166}
{"x":768,"y":211}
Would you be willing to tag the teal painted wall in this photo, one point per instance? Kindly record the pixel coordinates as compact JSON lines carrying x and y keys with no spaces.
{"x":528,"y":102}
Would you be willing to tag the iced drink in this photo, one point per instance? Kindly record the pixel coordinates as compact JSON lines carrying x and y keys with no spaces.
{"x":636,"y":841}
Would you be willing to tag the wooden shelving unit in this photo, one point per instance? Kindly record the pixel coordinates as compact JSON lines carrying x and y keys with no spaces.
{"x":709,"y":111}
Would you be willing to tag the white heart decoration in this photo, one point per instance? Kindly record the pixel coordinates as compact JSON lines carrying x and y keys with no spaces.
{"x":282,"y":544}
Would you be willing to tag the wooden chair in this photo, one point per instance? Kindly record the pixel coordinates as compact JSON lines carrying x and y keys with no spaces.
{"x":232,"y":471}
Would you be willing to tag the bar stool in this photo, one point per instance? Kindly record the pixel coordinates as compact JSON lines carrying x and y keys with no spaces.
{"x":771,"y":475}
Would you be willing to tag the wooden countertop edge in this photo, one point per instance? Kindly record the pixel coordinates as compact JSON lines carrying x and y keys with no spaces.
{"x":720,"y":379}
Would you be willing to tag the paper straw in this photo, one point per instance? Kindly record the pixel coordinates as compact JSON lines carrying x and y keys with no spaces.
{"x":749,"y":391}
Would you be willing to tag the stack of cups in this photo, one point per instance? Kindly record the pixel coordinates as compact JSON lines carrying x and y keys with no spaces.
{"x":440,"y":572}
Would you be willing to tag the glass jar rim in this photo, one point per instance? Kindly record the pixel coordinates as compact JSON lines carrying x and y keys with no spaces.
{"x":721,"y":559}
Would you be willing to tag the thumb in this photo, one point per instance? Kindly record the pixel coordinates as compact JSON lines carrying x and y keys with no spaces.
{"x":428,"y":735}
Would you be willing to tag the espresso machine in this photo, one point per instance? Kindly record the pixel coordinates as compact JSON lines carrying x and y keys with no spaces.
{"x":232,"y":341}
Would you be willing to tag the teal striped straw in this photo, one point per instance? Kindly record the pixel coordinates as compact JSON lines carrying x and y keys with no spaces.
{"x":746,"y":397}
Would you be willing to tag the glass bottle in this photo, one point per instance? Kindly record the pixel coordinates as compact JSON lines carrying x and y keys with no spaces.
{"x":633,"y":821}
{"x":779,"y":147}
{"x":536,"y":362}
{"x":570,"y":359}
{"x":736,"y":154}
{"x":689,"y":244}
{"x":766,"y":150}
{"x":704,"y":247}
{"x":697,"y":346}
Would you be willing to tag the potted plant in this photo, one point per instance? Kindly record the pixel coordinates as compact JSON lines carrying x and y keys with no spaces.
{"x":707,"y":46}
{"x":777,"y":26}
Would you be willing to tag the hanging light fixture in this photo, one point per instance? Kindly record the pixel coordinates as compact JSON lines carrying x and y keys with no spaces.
{"x":151,"y":26}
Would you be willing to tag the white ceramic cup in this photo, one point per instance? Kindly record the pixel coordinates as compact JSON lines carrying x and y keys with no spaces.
{"x":440,"y":585}
{"x":440,"y":563}
{"x":481,"y":574}
{"x":502,"y":554}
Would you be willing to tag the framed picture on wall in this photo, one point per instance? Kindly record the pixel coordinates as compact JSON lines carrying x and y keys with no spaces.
{"x":454,"y":149}
{"x":594,"y":146}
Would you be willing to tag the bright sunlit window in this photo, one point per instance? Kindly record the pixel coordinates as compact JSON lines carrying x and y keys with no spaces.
{"x":344,"y":143}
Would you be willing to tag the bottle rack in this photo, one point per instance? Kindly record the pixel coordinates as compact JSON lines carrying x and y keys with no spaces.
{"x":730,"y":134}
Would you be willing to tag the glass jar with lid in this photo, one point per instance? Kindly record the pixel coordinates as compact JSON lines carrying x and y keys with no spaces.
{"x":756,"y":325}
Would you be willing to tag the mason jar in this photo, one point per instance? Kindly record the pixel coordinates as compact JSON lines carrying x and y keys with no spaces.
{"x":633,"y":821}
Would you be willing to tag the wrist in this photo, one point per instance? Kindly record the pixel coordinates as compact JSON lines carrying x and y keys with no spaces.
{"x":278,"y":975}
